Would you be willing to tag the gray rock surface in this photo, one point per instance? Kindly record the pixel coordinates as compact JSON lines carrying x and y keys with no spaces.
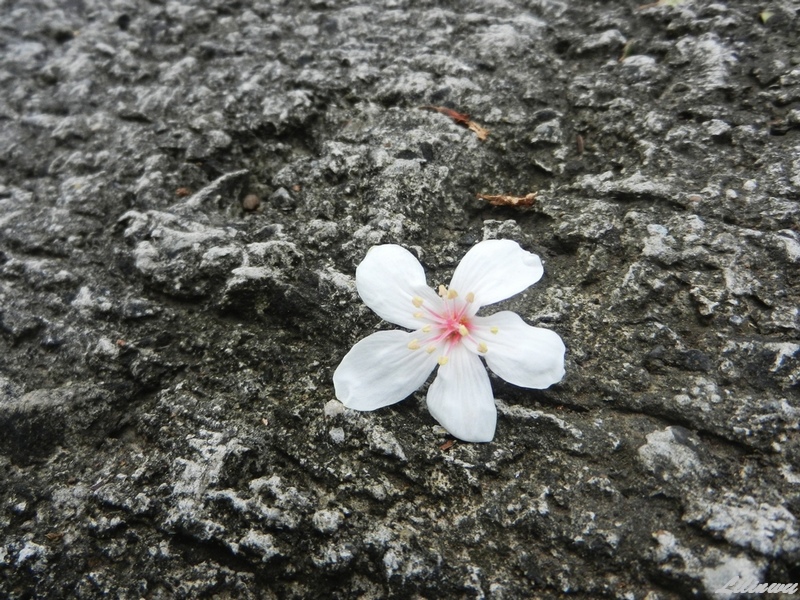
{"x":169,"y":428}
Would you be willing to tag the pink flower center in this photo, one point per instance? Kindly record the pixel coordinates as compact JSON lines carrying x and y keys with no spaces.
{"x":454,"y":327}
{"x":447,"y":326}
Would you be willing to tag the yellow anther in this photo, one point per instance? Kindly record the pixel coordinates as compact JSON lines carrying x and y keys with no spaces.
{"x":462,"y":329}
{"x":418,"y":315}
{"x":442,"y":291}
{"x":430,"y":349}
{"x":413,"y":345}
{"x":443,"y":361}
{"x":451,"y":294}
{"x":482,"y":348}
{"x":416,"y":301}
{"x":494,"y":329}
{"x":426,"y":329}
{"x":470,"y":297}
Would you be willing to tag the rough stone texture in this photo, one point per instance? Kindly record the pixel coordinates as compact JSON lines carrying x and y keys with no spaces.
{"x":185,"y":191}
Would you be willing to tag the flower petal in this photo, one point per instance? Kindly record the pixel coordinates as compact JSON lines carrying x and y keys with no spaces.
{"x":526,"y":356}
{"x":494,"y":270}
{"x":461,"y":399}
{"x":381,"y":370}
{"x":388,"y":280}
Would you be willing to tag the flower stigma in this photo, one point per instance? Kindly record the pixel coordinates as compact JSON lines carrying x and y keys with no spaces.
{"x":449,"y":323}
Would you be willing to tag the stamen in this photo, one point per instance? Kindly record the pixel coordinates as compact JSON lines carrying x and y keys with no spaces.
{"x":443,"y":361}
{"x":482,"y":348}
{"x":451,"y":294}
{"x":413,"y":345}
{"x":470,"y":297}
{"x":462,"y":329}
{"x":442,"y":291}
{"x":416,"y":301}
{"x":426,"y":329}
{"x":430,"y":349}
{"x":494,"y":329}
{"x":418,"y":315}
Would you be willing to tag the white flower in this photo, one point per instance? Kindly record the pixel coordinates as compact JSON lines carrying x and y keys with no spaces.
{"x":388,"y":366}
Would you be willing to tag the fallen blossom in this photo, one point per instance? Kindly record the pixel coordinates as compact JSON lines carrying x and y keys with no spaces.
{"x":447,"y":332}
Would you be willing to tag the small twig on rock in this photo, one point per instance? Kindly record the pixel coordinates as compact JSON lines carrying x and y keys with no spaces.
{"x":459,"y":119}
{"x":447,"y":445}
{"x":503,"y":200}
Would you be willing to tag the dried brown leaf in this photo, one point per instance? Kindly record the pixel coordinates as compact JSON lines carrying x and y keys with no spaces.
{"x":504,"y":200}
{"x":459,"y":119}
